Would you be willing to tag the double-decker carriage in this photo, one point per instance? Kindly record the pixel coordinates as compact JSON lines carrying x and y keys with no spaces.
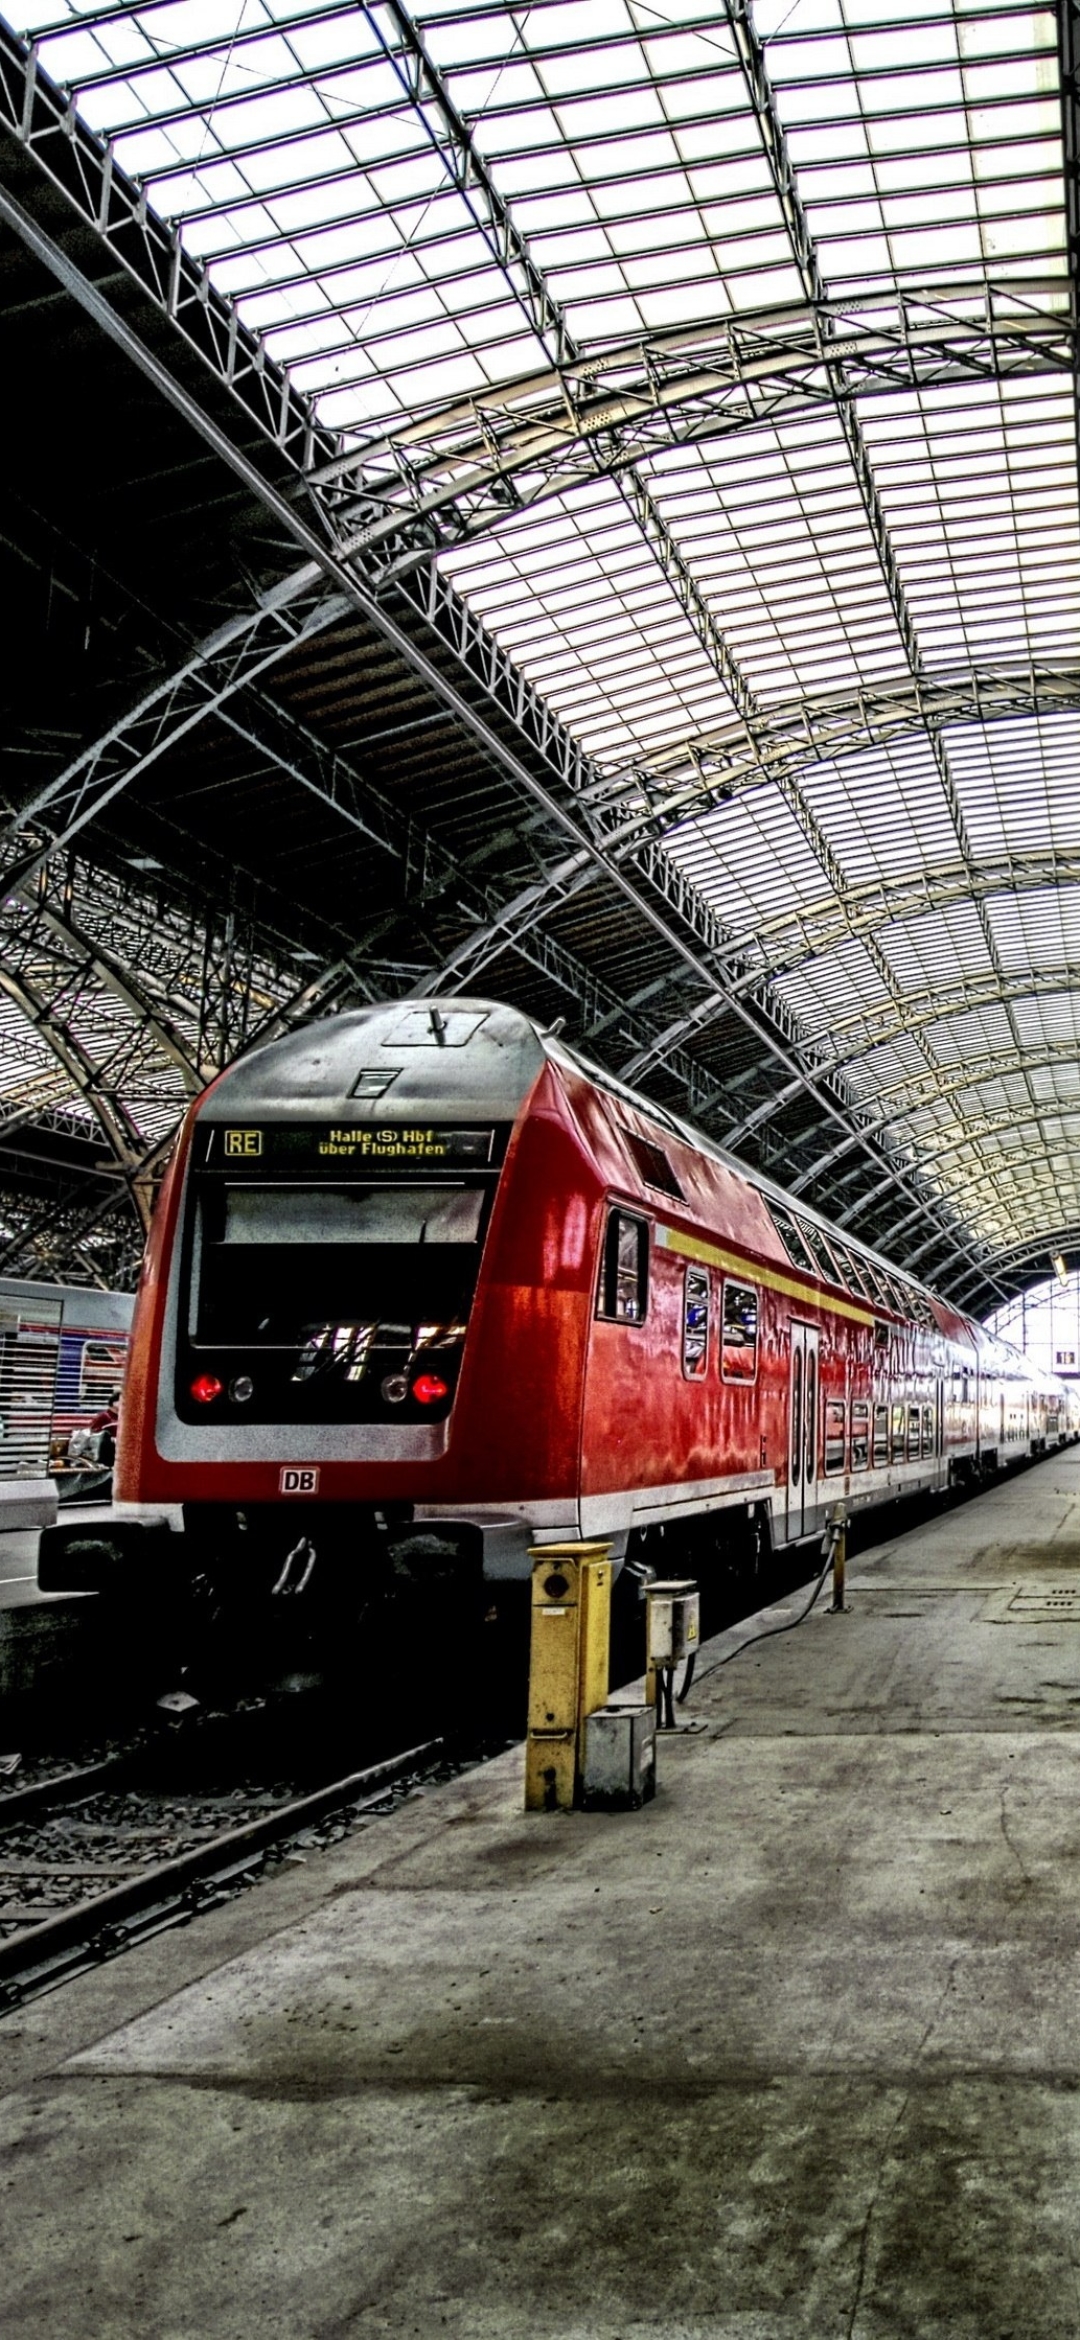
{"x":420,"y":1270}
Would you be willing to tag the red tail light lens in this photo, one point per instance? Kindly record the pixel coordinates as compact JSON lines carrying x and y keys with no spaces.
{"x":429,"y":1388}
{"x":205,"y":1388}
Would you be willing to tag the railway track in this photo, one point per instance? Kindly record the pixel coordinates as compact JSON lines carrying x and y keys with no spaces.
{"x":93,"y":1861}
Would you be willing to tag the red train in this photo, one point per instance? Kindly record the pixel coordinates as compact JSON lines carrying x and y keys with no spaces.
{"x":420,"y":1270}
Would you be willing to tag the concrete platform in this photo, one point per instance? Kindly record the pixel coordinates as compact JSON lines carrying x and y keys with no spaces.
{"x":792,"y":2053}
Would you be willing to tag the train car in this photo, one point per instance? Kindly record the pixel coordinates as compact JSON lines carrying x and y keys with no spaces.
{"x":63,"y":1358}
{"x":421,"y":1271}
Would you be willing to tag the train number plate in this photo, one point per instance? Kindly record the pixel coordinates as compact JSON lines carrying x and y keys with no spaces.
{"x":297,"y":1481}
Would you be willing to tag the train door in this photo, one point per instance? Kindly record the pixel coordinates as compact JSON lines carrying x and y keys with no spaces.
{"x":804,"y":1491}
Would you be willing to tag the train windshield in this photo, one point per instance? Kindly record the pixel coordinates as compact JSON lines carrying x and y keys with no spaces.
{"x":277,"y":1266}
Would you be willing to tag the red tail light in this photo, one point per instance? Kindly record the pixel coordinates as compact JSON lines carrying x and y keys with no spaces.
{"x":429,"y":1389}
{"x":205,"y":1388}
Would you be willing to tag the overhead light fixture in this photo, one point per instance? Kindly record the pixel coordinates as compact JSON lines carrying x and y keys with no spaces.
{"x":1057,"y":1262}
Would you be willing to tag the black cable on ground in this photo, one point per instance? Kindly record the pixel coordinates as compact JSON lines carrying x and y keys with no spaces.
{"x":683,"y":1694}
{"x":768,"y":1631}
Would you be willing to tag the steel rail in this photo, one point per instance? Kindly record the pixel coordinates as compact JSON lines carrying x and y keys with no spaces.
{"x":50,"y":1951}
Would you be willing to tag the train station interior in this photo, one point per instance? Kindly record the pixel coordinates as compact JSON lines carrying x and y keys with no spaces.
{"x":562,"y":522}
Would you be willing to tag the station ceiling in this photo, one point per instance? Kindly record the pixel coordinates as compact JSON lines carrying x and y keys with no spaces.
{"x":577,"y":503}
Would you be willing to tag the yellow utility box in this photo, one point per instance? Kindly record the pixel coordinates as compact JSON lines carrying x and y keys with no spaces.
{"x":568,"y":1667}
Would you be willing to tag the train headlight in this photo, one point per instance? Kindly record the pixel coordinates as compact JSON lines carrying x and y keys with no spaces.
{"x":395,"y":1388}
{"x":241,"y":1389}
{"x":205,"y":1388}
{"x":429,"y":1388}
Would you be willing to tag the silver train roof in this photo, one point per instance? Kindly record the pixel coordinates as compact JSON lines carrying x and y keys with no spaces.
{"x":422,"y":1058}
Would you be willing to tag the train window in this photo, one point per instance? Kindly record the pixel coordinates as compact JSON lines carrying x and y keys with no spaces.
{"x":738,"y":1354}
{"x":275,"y":1267}
{"x":913,"y":1432}
{"x":624,"y":1288}
{"x":881,"y":1436}
{"x":875,"y":1282}
{"x":899,"y":1432}
{"x":351,"y":1214}
{"x":928,"y":1429}
{"x":835,"y":1434}
{"x":850,"y":1267}
{"x":860,"y":1434}
{"x":881,"y":1334}
{"x":824,"y":1264}
{"x":652,"y":1163}
{"x":791,"y":1236}
{"x":695,"y":1346}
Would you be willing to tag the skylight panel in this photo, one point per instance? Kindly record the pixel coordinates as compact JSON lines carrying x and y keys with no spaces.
{"x":592,"y":545}
{"x":799,"y":507}
{"x":508,"y":84}
{"x":947,"y":946}
{"x":883,"y":812}
{"x":750,"y":858}
{"x":812,"y":990}
{"x":1036,"y":932}
{"x":1017,"y":784}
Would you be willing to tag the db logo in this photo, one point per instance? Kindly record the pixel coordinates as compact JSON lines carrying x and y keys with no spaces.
{"x":297,"y":1482}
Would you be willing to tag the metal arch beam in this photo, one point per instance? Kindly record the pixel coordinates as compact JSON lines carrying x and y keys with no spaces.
{"x":713,"y":766}
{"x":233,"y":656}
{"x":918,"y":894}
{"x":123,"y":1139}
{"x":973,"y":997}
{"x":88,"y":958}
{"x":898,"y":1104}
{"x":457,"y":473}
{"x":998,"y":1122}
{"x":637,"y":806}
{"x":861,"y":911}
{"x":835,"y":726}
{"x":862,"y":1035}
{"x":1014,"y":1207}
{"x":1064,"y":1236}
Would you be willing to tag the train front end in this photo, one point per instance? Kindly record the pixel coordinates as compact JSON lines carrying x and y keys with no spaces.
{"x":305,"y":1314}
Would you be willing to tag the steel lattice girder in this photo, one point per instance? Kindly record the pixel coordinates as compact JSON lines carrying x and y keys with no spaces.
{"x":455,"y":475}
{"x":121,"y":992}
{"x":72,"y":1239}
{"x":236,"y":654}
{"x":911,"y":1098}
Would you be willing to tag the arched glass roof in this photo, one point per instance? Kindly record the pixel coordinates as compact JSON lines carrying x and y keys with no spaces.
{"x":722,"y":359}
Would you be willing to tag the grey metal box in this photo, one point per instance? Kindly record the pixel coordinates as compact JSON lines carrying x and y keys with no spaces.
{"x":674,"y":1620}
{"x":620,"y":1758}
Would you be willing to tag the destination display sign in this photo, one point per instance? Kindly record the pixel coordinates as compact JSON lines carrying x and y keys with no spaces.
{"x":281,"y":1147}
